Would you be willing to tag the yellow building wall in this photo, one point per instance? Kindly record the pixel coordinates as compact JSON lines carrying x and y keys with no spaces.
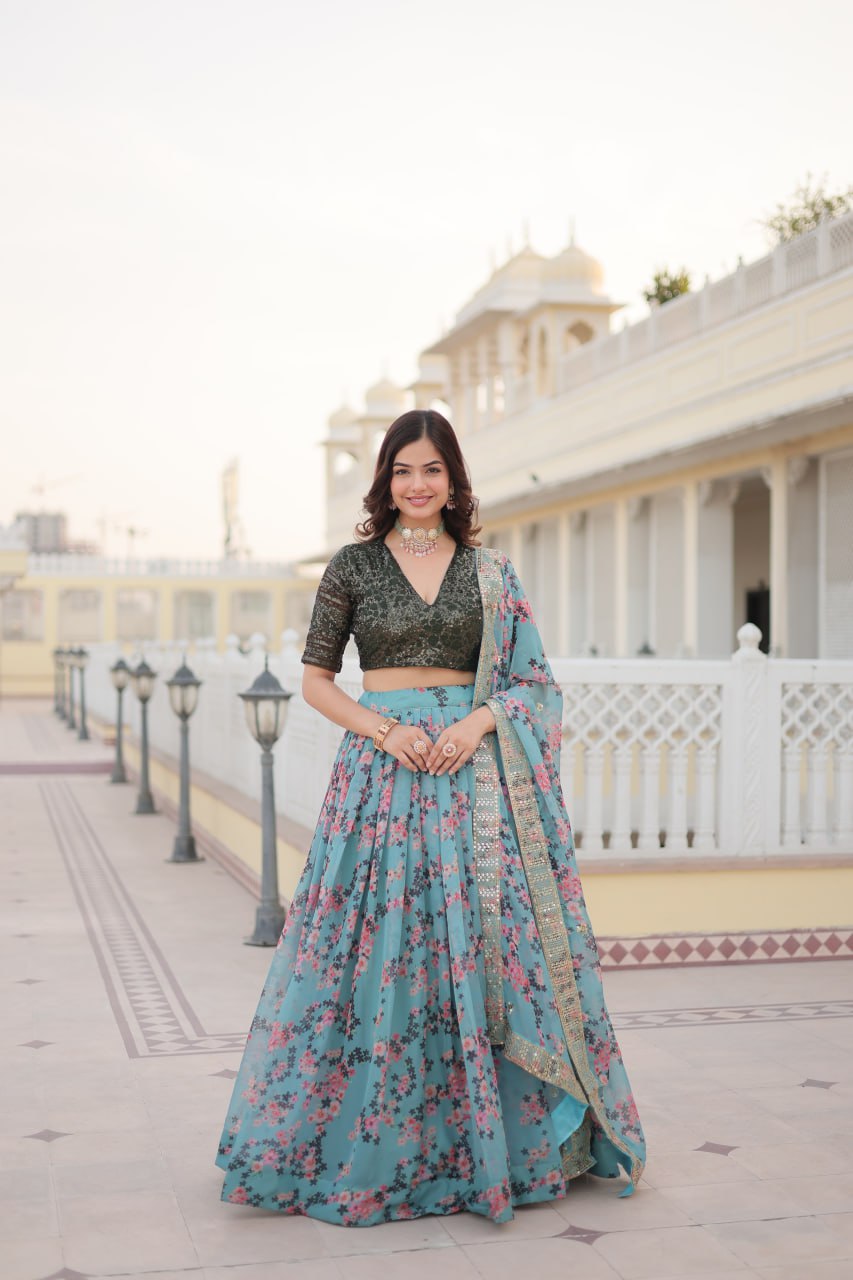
{"x":26,"y":667}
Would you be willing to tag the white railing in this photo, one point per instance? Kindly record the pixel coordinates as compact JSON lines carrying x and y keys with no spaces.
{"x":76,"y":566}
{"x":790,"y":266}
{"x":748,"y":757}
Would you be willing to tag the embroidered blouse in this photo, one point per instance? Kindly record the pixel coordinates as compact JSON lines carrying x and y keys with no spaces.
{"x":364,"y":593}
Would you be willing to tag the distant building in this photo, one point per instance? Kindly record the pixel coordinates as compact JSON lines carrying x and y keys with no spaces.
{"x":659,"y":486}
{"x":67,"y":599}
{"x":43,"y":531}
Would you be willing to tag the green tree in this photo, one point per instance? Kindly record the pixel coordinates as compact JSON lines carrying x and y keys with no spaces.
{"x":804,"y":209}
{"x":667,"y":285}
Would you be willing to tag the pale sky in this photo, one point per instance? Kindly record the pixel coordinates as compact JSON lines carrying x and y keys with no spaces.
{"x":220,"y":218}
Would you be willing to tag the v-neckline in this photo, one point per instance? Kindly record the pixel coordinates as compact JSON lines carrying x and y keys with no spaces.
{"x":426,"y":604}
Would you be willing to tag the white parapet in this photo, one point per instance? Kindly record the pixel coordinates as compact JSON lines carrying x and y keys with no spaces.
{"x":746,"y":757}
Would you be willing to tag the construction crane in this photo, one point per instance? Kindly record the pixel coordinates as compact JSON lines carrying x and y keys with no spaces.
{"x":43,"y":485}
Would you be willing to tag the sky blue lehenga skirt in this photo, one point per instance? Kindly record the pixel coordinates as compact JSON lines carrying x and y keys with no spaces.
{"x":369,"y":1089}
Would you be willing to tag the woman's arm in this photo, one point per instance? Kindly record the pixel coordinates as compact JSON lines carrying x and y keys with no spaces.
{"x":320,"y":692}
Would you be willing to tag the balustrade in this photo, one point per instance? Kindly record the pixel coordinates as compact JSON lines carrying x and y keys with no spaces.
{"x":790,"y":266}
{"x":750,"y":756}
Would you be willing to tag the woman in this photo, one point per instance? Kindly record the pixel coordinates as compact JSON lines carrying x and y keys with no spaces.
{"x":432,"y":1036}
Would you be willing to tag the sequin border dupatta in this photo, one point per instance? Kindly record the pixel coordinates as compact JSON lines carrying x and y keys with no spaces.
{"x":514,"y":679}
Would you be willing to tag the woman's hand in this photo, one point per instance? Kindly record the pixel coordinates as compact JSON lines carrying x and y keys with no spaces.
{"x":400,"y":743}
{"x":465,"y":735}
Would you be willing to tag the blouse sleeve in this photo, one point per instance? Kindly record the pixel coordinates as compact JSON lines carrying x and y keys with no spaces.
{"x":331,"y":620}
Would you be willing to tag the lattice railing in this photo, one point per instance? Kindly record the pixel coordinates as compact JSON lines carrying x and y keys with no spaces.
{"x":817,"y":764}
{"x":641,"y":763}
{"x":743,"y":757}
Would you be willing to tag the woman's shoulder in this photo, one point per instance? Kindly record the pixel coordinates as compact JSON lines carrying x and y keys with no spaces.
{"x":352,"y":557}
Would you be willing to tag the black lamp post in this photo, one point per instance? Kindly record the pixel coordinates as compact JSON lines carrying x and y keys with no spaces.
{"x":71,"y":719}
{"x":79,"y":658}
{"x":142,"y":678}
{"x":120,"y":675}
{"x":57,"y":687}
{"x":61,"y":709}
{"x":266,"y":711}
{"x":183,"y":695}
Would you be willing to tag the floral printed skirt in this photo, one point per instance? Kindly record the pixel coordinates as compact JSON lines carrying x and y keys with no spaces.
{"x":369,"y":1089}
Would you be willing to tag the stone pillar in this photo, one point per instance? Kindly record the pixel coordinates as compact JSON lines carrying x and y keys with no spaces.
{"x":690,"y":569}
{"x":776,"y":476}
{"x":620,"y":579}
{"x":564,"y":584}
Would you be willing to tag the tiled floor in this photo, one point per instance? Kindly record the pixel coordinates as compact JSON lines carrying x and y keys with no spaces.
{"x":127,"y":992}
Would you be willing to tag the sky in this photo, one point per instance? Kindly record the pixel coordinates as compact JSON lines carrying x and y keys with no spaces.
{"x":219,"y":220}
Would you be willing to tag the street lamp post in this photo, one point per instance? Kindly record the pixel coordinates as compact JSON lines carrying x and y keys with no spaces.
{"x":71,"y":719}
{"x":120,"y":675}
{"x":79,"y":658}
{"x":183,"y":695}
{"x":142,"y":678}
{"x":265,"y":704}
{"x":57,"y":688}
{"x":61,"y":709}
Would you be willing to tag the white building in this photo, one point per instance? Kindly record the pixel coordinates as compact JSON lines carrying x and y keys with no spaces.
{"x":660,"y":486}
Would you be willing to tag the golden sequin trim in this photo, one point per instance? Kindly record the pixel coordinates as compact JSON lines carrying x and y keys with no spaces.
{"x":546,"y":1066}
{"x":575,"y":1152}
{"x":488,"y":853}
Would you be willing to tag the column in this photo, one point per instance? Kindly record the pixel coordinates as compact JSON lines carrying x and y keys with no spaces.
{"x":620,"y":579}
{"x":778,"y":480}
{"x":564,"y":585}
{"x":690,"y":569}
{"x":514,"y":546}
{"x":469,"y":361}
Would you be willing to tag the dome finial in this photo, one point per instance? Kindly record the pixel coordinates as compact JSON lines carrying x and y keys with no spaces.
{"x":572,"y":230}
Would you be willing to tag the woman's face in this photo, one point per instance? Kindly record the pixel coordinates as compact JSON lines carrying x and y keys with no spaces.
{"x":420,"y":483}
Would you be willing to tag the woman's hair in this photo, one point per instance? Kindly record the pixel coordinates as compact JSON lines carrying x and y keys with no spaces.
{"x":460,"y":521}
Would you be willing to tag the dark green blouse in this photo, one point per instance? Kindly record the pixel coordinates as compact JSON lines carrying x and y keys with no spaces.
{"x":364,"y":593}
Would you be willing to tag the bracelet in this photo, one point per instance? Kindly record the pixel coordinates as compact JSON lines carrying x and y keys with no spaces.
{"x":382,"y":732}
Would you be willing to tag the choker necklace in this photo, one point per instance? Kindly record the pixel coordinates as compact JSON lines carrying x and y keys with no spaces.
{"x":419,"y":542}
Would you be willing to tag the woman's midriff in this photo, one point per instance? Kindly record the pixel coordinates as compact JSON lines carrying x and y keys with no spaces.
{"x":413,"y":678}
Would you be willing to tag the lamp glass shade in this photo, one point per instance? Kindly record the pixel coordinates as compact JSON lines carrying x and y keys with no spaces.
{"x":120,"y":674}
{"x":143,"y":681}
{"x":183,"y":691}
{"x":266,"y":708}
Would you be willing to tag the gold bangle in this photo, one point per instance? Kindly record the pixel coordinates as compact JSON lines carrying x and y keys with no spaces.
{"x":382,"y":732}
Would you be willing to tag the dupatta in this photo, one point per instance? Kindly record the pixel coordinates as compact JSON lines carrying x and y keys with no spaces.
{"x":592,"y":1107}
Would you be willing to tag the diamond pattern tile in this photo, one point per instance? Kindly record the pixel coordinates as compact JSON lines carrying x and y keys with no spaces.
{"x":648,"y":952}
{"x":715,"y":1148}
{"x":583,"y":1235}
{"x":817,"y":1084}
{"x":48,"y":1135}
{"x":35,"y":1044}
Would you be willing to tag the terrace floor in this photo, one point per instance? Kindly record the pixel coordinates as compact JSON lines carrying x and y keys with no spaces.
{"x":127,"y":995}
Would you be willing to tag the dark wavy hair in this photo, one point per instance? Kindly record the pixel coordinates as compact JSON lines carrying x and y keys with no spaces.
{"x":460,"y":522}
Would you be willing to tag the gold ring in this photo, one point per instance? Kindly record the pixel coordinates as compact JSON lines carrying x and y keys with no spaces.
{"x":449,"y":749}
{"x":420,"y":747}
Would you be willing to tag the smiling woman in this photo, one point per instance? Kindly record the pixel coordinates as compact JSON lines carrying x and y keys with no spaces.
{"x":432,"y":1036}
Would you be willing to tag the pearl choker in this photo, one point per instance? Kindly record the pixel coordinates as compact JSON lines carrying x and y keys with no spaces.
{"x":419,"y":542}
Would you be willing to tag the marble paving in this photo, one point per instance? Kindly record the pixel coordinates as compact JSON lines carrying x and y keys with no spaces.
{"x":127,"y":991}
